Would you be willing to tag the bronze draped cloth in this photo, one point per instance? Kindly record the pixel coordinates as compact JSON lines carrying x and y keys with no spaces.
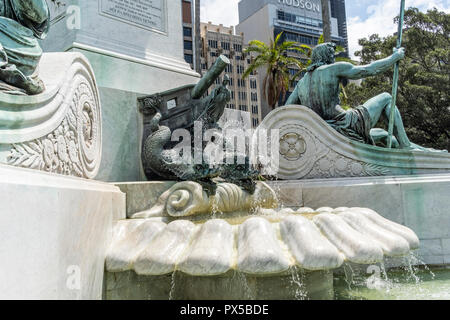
{"x":21,"y":22}
{"x":354,"y":124}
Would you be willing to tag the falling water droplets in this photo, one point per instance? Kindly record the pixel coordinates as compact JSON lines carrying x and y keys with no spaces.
{"x":248,"y":292}
{"x":172,"y":286}
{"x":416,"y":261}
{"x":348,"y":271}
{"x":298,"y":280}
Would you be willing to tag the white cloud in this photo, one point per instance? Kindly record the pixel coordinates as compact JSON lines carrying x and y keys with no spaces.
{"x":220,"y":12}
{"x":380,"y":19}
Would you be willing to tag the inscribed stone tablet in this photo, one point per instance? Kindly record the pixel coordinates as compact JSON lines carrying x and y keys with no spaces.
{"x":150,"y":14}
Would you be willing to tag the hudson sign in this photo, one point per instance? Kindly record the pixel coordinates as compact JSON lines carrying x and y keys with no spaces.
{"x":302,"y":4}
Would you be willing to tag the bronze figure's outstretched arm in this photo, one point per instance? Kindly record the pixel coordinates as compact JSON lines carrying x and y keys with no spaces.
{"x":349,"y":71}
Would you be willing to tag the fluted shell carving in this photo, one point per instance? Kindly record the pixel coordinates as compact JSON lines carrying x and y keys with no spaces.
{"x":267,"y":242}
{"x":188,"y":198}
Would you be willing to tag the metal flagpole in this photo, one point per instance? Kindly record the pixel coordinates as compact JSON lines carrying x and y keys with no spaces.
{"x":396,"y":75}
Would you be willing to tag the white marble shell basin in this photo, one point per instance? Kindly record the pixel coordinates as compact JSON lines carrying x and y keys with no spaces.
{"x":268,"y":243}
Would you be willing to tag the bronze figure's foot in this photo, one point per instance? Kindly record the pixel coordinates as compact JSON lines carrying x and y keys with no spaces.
{"x":13,"y":77}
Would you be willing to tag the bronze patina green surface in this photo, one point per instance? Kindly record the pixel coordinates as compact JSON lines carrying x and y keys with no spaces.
{"x":319,"y":90}
{"x":22,"y":22}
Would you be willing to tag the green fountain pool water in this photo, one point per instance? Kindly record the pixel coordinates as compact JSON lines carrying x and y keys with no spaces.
{"x":422,"y":284}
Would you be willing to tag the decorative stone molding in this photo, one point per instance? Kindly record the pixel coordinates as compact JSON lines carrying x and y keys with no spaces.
{"x":188,"y":198}
{"x":60,"y":130}
{"x":311,"y":149}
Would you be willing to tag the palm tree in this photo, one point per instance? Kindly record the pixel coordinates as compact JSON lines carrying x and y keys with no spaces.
{"x":277,"y":62}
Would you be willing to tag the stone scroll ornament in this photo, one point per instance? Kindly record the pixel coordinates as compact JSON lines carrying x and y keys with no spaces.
{"x":188,"y":198}
{"x":59,"y":130}
{"x":311,"y":149}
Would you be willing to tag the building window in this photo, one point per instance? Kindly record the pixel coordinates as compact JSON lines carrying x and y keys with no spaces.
{"x":189,"y":58}
{"x":187,"y":12}
{"x":242,"y":95}
{"x":289,"y":36}
{"x":212,"y":44}
{"x":225,"y":45}
{"x":288,"y":17}
{"x":187,"y":32}
{"x":255,"y":123}
{"x":187,"y":45}
{"x":241,"y":83}
{"x":237,"y":47}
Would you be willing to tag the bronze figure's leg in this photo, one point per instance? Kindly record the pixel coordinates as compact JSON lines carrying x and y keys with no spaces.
{"x":381,"y":104}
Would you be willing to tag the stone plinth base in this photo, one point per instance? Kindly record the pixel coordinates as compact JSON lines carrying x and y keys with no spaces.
{"x":419,"y":202}
{"x":54,"y":233}
{"x":298,"y":285}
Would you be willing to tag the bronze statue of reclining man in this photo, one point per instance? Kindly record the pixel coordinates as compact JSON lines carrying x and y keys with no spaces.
{"x":319,"y":90}
{"x":21,"y":23}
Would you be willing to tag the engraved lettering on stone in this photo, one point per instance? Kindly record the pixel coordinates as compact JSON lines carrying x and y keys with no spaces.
{"x":146,"y":13}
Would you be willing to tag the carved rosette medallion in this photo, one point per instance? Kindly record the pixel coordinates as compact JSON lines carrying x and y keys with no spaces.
{"x":298,"y":148}
{"x":292,"y":146}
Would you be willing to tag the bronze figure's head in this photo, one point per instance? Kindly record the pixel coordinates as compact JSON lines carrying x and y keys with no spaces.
{"x":323,"y":54}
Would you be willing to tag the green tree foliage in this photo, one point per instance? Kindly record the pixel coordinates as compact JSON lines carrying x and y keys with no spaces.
{"x":274,"y":58}
{"x":424,"y":86}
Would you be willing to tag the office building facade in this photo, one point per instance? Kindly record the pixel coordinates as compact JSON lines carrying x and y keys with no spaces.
{"x":299,"y":20}
{"x":245,"y":93}
{"x":191,"y":32}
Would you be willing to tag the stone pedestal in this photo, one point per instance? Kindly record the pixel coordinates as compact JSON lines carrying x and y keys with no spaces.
{"x":135,"y":49}
{"x":54,"y":233}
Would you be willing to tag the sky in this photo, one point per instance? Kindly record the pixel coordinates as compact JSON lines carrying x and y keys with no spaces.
{"x":364,"y":17}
